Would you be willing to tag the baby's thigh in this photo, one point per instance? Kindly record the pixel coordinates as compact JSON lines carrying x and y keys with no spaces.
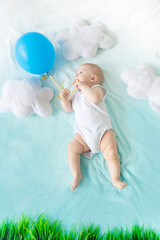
{"x":108,"y":141}
{"x":79,"y":139}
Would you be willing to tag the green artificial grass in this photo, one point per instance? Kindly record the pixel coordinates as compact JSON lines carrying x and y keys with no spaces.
{"x":45,"y":229}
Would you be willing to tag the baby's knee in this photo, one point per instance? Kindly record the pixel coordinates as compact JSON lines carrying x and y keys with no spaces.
{"x":75,"y":147}
{"x":110,"y":152}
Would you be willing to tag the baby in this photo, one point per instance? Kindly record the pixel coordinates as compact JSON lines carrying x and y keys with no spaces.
{"x":93,"y":129}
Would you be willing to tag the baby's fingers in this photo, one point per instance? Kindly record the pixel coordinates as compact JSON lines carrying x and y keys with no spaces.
{"x":63,"y":92}
{"x":66,"y":91}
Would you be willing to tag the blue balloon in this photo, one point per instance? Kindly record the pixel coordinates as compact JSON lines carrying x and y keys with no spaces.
{"x":34,"y":53}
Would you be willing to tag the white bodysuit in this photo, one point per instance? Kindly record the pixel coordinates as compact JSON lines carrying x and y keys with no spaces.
{"x":91,"y":120}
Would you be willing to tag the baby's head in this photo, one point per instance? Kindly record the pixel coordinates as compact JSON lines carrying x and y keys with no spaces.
{"x":90,"y":74}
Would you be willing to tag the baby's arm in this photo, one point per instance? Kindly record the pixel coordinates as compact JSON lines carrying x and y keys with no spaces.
{"x":94,"y":95}
{"x":66,"y":102}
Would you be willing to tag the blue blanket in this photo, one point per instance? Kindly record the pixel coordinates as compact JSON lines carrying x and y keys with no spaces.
{"x":34,"y":171}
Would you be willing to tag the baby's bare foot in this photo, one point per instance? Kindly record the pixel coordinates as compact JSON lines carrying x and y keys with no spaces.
{"x":75,"y":182}
{"x":119,"y":184}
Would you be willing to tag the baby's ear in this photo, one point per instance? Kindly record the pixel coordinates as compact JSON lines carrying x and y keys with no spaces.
{"x":94,"y":78}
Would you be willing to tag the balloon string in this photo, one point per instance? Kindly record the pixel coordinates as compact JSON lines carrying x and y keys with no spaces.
{"x":74,"y":91}
{"x":72,"y":84}
{"x":53,"y":81}
{"x":48,"y":74}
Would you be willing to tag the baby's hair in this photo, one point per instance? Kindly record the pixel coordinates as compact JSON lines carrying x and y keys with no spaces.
{"x":96,"y":70}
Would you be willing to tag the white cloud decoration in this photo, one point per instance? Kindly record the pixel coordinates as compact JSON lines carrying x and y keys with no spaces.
{"x":143,"y":83}
{"x":25,"y":97}
{"x":83,"y":40}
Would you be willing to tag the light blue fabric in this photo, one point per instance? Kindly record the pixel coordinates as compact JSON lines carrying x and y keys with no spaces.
{"x":34,"y":172}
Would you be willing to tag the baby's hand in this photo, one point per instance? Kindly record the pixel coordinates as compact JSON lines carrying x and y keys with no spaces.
{"x":64,"y":94}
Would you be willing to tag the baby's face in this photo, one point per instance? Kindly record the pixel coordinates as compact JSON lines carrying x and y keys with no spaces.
{"x":84,"y":74}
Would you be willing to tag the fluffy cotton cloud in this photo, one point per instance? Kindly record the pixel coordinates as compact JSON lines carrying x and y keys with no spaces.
{"x":83,"y":40}
{"x":26,"y":97}
{"x":143,"y":83}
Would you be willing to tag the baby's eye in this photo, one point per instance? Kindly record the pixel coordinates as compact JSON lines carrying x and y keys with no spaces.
{"x":79,"y":72}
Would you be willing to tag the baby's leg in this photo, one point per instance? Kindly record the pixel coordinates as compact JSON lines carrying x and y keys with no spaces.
{"x":108,"y":147}
{"x":75,"y":148}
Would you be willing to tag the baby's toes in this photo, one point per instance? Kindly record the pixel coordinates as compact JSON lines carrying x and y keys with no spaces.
{"x":119,"y":184}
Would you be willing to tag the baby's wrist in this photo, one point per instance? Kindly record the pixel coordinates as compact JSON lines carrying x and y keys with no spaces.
{"x":65,"y":99}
